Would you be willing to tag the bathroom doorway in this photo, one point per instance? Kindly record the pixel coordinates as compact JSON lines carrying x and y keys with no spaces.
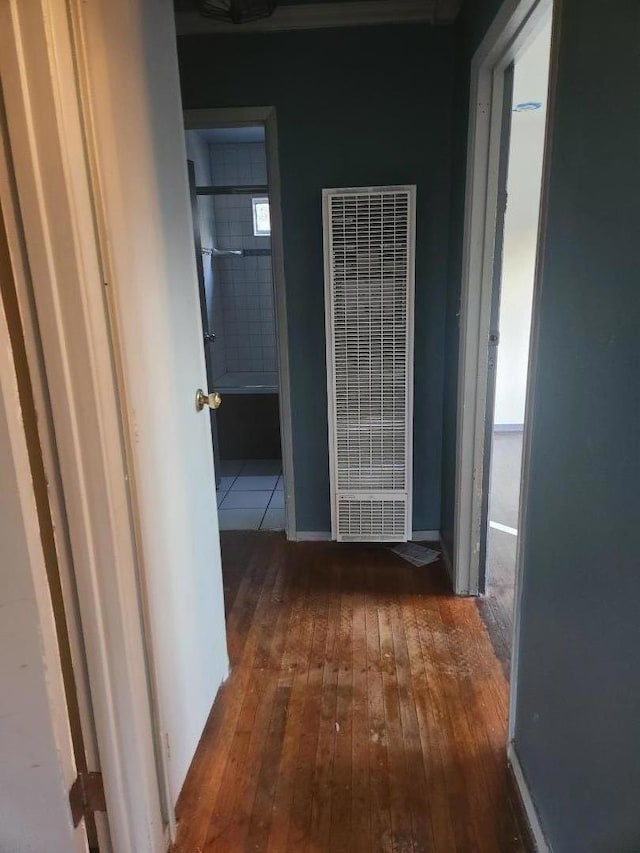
{"x":237,"y":238}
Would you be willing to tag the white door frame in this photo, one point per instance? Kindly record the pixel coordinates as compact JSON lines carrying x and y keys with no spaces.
{"x":515,"y":25}
{"x":51,"y":168}
{"x":250,"y":117}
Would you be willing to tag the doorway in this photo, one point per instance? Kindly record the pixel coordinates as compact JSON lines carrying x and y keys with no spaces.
{"x":510,"y":330}
{"x":489,"y":247}
{"x":236,"y":236}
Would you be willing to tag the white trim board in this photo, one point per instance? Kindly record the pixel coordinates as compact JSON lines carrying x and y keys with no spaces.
{"x":312,"y":16}
{"x":266,"y":117}
{"x":425,"y":535}
{"x":533,"y":818}
{"x":313,"y":536}
{"x":515,"y":25}
{"x":325,"y":536}
{"x":504,"y":528}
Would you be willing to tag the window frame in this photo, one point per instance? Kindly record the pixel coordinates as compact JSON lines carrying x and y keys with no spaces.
{"x":255,"y":201}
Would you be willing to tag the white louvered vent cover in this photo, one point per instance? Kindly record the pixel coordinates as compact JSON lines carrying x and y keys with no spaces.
{"x":369,"y":237}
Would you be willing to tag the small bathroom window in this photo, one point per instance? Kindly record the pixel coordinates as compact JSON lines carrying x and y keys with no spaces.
{"x":261,"y":218}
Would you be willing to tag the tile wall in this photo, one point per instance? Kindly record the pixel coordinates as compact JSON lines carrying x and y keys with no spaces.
{"x":244,"y":304}
{"x":198,"y":152}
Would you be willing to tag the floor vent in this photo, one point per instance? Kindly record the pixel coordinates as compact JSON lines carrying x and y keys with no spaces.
{"x":369,"y":237}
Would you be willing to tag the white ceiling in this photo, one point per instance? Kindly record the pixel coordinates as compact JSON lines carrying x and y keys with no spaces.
{"x":532,"y":69}
{"x":526,"y":148}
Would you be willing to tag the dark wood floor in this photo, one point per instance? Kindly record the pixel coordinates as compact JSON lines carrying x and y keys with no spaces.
{"x":496,"y":608}
{"x":366,"y":711}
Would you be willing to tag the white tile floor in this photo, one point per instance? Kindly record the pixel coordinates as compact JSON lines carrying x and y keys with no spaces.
{"x":250,"y":495}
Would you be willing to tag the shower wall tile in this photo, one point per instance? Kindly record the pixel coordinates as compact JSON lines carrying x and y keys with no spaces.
{"x":246,"y":306}
{"x":239,"y":163}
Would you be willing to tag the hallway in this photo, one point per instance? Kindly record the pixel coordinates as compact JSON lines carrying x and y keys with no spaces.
{"x":366,"y":711}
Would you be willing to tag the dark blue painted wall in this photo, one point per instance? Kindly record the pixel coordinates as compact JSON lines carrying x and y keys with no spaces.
{"x":579,"y":655}
{"x":355,"y":107}
{"x":579,"y":667}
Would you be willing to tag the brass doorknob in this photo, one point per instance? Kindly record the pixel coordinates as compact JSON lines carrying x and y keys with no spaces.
{"x":212,"y":400}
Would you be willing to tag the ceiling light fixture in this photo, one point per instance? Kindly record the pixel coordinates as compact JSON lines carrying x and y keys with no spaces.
{"x":527,"y":106}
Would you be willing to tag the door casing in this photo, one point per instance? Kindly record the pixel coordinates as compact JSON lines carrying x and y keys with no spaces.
{"x":514,"y":27}
{"x":266,"y":117}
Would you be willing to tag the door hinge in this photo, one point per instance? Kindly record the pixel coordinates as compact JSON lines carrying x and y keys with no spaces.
{"x":86,"y":795}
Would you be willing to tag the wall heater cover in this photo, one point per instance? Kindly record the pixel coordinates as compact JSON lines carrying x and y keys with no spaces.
{"x":369,"y":248}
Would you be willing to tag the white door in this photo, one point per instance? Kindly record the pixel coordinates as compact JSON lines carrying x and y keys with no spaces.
{"x":137,"y":140}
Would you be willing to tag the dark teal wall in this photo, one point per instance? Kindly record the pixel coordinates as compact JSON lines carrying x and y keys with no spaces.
{"x":579,"y":654}
{"x":355,"y":107}
{"x":579,"y":667}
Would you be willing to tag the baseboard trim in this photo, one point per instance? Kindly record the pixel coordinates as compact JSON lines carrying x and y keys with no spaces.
{"x":425,"y":536}
{"x":313,"y":536}
{"x":325,"y":535}
{"x":526,"y":799}
{"x":508,"y":427}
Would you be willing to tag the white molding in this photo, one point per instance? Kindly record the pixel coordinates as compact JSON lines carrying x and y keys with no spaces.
{"x":313,"y":536}
{"x":266,"y":116}
{"x":47,"y":139}
{"x":311,"y":16}
{"x":425,"y":535}
{"x":46,"y":435}
{"x":503,"y":528}
{"x":533,"y":818}
{"x":325,"y":536}
{"x":508,"y":427}
{"x":517,"y":22}
{"x":29,"y":564}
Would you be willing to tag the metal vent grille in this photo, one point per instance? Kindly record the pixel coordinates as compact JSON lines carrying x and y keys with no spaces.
{"x":371,"y":519}
{"x":369,"y":237}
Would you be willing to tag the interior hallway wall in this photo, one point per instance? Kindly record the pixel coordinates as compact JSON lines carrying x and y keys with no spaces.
{"x":355,"y":107}
{"x":526,"y":151}
{"x":578,"y":669}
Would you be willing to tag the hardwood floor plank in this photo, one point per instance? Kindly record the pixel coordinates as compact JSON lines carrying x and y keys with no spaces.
{"x":300,"y":823}
{"x":325,"y":755}
{"x":365,"y":711}
{"x":380,"y":811}
{"x":360,"y":773}
{"x":342,"y":777}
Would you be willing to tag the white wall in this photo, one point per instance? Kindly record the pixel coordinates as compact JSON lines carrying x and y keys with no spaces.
{"x":36,"y":757}
{"x":141,"y":166}
{"x":521,"y":231}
